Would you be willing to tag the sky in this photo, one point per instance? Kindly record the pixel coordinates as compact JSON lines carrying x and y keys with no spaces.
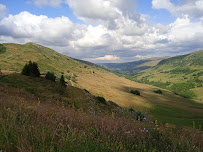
{"x":105,"y":31}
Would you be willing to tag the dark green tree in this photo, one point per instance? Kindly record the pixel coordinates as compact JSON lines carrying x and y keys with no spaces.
{"x":31,"y":69}
{"x":50,"y":76}
{"x":62,"y":81}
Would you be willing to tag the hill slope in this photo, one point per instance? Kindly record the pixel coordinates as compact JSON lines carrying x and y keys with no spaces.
{"x":40,"y":115}
{"x":181,"y":74}
{"x":133,"y":67}
{"x":99,"y":82}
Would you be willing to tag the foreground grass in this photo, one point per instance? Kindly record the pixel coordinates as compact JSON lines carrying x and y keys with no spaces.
{"x":41,"y":121}
{"x":39,"y":127}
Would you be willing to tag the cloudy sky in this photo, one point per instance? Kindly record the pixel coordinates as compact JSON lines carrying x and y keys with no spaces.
{"x":105,"y":30}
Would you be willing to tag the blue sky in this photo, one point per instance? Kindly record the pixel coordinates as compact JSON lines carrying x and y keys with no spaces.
{"x":105,"y":30}
{"x":142,"y":6}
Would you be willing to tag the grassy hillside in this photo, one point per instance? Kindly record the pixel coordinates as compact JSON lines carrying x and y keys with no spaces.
{"x":181,"y":74}
{"x":39,"y":115}
{"x":99,"y":82}
{"x":133,"y":67}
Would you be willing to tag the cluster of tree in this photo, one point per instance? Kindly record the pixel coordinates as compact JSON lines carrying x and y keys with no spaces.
{"x":31,"y":69}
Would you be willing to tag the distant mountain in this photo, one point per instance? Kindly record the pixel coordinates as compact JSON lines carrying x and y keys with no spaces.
{"x":133,"y":67}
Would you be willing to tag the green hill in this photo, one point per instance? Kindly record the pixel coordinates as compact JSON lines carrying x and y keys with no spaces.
{"x":181,"y":74}
{"x":100,"y":82}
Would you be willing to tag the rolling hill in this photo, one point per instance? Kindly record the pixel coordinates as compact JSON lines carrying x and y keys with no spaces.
{"x":133,"y":67}
{"x":100,"y":82}
{"x":182,"y":75}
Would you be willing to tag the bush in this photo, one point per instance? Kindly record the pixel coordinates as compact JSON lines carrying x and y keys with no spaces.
{"x":2,"y":49}
{"x":50,"y":76}
{"x":158,"y":91}
{"x":101,"y":99}
{"x":62,"y":81}
{"x":31,"y":69}
{"x":136,"y":92}
{"x":140,"y":114}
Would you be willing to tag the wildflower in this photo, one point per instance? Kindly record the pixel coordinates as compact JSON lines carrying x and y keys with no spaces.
{"x":156,"y":122}
{"x":112,"y":115}
{"x":166,"y":125}
{"x":63,"y":106}
{"x":138,"y":118}
{"x":22,"y":102}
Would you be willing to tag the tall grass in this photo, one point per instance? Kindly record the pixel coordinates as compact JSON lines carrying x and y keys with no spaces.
{"x":33,"y":126}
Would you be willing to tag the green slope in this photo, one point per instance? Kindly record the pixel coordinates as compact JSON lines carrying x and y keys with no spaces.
{"x":39,"y":115}
{"x":181,"y":74}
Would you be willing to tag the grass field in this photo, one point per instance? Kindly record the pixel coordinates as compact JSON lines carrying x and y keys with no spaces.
{"x":165,"y":107}
{"x":39,"y":115}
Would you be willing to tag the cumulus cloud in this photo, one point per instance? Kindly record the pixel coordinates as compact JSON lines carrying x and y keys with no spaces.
{"x":192,"y":8}
{"x":104,"y":58}
{"x":2,"y":10}
{"x":100,"y":9}
{"x":53,"y":3}
{"x":118,"y":30}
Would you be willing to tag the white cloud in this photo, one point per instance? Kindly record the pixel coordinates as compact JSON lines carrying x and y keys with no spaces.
{"x":2,"y":10}
{"x":119,"y":30}
{"x":53,"y":3}
{"x":41,"y":29}
{"x":192,"y":8}
{"x":141,"y":57}
{"x":104,"y":58}
{"x":159,"y":4}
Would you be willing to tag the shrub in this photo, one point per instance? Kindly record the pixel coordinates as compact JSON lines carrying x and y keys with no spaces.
{"x":101,"y":99}
{"x":139,"y":114}
{"x":62,"y":81}
{"x":31,"y":69}
{"x":50,"y":76}
{"x":158,"y":91}
{"x":136,"y":92}
{"x":2,"y":49}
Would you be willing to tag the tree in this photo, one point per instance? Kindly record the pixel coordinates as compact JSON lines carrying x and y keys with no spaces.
{"x":31,"y":69}
{"x":35,"y":69}
{"x":62,"y":81}
{"x":50,"y":76}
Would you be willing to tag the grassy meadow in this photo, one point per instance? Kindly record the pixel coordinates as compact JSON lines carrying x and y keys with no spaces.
{"x":39,"y":115}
